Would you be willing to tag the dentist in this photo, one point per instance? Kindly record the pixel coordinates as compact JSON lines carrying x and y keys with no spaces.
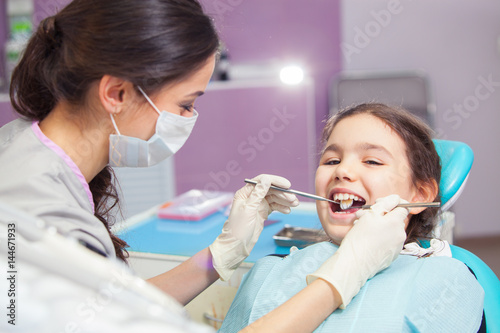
{"x":112,"y":84}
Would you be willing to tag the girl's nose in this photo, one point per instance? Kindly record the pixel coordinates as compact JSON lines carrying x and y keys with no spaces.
{"x":344,"y":172}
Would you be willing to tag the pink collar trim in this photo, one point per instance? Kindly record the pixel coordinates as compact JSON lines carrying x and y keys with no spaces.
{"x":58,"y":150}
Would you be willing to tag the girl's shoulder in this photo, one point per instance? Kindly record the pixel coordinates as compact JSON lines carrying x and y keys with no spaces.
{"x":434,"y":257}
{"x":433,"y":270}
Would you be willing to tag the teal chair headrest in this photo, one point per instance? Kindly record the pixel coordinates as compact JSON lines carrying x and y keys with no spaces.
{"x":456,"y":162}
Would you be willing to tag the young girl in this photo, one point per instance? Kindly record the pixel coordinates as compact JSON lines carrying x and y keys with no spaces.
{"x":371,"y":151}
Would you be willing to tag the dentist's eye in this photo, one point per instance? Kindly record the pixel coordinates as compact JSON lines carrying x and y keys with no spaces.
{"x":186,"y":105}
{"x":188,"y":108}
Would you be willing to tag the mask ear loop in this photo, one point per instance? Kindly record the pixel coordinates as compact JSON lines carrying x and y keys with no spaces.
{"x":114,"y":124}
{"x":149,"y":100}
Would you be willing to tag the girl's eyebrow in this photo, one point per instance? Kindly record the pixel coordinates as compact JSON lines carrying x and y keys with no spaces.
{"x":371,"y":146}
{"x":362,"y":146}
{"x":333,"y":148}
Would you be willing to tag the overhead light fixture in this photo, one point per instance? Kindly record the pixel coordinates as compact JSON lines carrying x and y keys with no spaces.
{"x":291,"y":75}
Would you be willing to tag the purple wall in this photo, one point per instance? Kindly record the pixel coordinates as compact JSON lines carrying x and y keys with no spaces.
{"x":307,"y":31}
{"x":45,"y":8}
{"x":261,"y":129}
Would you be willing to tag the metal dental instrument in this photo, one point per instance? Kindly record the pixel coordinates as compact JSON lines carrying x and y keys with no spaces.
{"x":317,"y":197}
{"x":307,"y":195}
{"x":411,"y":205}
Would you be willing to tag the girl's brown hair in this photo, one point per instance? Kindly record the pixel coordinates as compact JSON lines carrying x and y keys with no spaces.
{"x":147,"y":42}
{"x":423,"y":158}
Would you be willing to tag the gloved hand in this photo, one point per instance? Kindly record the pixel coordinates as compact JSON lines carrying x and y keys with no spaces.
{"x":372,"y":244}
{"x":251,"y":206}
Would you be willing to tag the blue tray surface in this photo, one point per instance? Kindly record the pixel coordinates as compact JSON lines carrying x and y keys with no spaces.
{"x":185,"y":238}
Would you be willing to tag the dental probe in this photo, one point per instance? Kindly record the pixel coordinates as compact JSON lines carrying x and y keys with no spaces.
{"x":317,"y":197}
{"x":411,"y":205}
{"x":304,"y":194}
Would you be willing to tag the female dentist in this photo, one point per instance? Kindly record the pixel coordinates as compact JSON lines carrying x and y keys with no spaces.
{"x":113,"y":83}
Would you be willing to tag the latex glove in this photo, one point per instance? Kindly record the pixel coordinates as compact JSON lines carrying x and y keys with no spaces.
{"x":372,"y":244}
{"x":251,"y":206}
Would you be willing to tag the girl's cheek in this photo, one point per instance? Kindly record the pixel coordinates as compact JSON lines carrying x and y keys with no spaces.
{"x":322,"y":177}
{"x":384,"y":184}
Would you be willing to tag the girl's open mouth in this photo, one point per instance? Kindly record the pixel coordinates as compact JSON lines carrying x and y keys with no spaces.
{"x":345,"y":203}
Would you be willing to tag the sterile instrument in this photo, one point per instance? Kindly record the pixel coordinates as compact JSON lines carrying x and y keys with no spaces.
{"x":317,"y":197}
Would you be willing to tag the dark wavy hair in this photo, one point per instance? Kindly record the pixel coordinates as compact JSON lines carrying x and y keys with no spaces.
{"x":147,"y":42}
{"x":423,"y":158}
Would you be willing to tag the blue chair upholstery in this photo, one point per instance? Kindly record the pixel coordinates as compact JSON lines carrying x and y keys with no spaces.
{"x":456,"y":161}
{"x":490,"y":283}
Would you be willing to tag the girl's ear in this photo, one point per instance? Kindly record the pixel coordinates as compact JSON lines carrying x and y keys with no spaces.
{"x":426,"y":192}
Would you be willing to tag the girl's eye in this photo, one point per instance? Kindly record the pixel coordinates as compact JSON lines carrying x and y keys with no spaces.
{"x":188,"y":108}
{"x":332,"y":162}
{"x":372,"y":162}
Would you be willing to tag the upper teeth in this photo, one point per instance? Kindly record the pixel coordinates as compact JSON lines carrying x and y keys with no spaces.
{"x":345,"y":196}
{"x":345,"y":199}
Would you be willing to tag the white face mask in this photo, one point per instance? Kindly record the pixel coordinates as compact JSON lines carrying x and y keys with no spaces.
{"x":171,"y":133}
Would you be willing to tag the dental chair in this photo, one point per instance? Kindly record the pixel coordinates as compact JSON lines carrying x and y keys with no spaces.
{"x":456,"y":161}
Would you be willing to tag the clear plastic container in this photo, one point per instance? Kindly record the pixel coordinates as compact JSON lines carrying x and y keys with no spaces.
{"x":195,"y":205}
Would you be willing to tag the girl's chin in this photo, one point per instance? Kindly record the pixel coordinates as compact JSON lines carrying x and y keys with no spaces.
{"x":337,"y":225}
{"x":337,"y":233}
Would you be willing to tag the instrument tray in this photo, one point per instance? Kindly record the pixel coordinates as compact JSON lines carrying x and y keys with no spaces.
{"x":299,"y":237}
